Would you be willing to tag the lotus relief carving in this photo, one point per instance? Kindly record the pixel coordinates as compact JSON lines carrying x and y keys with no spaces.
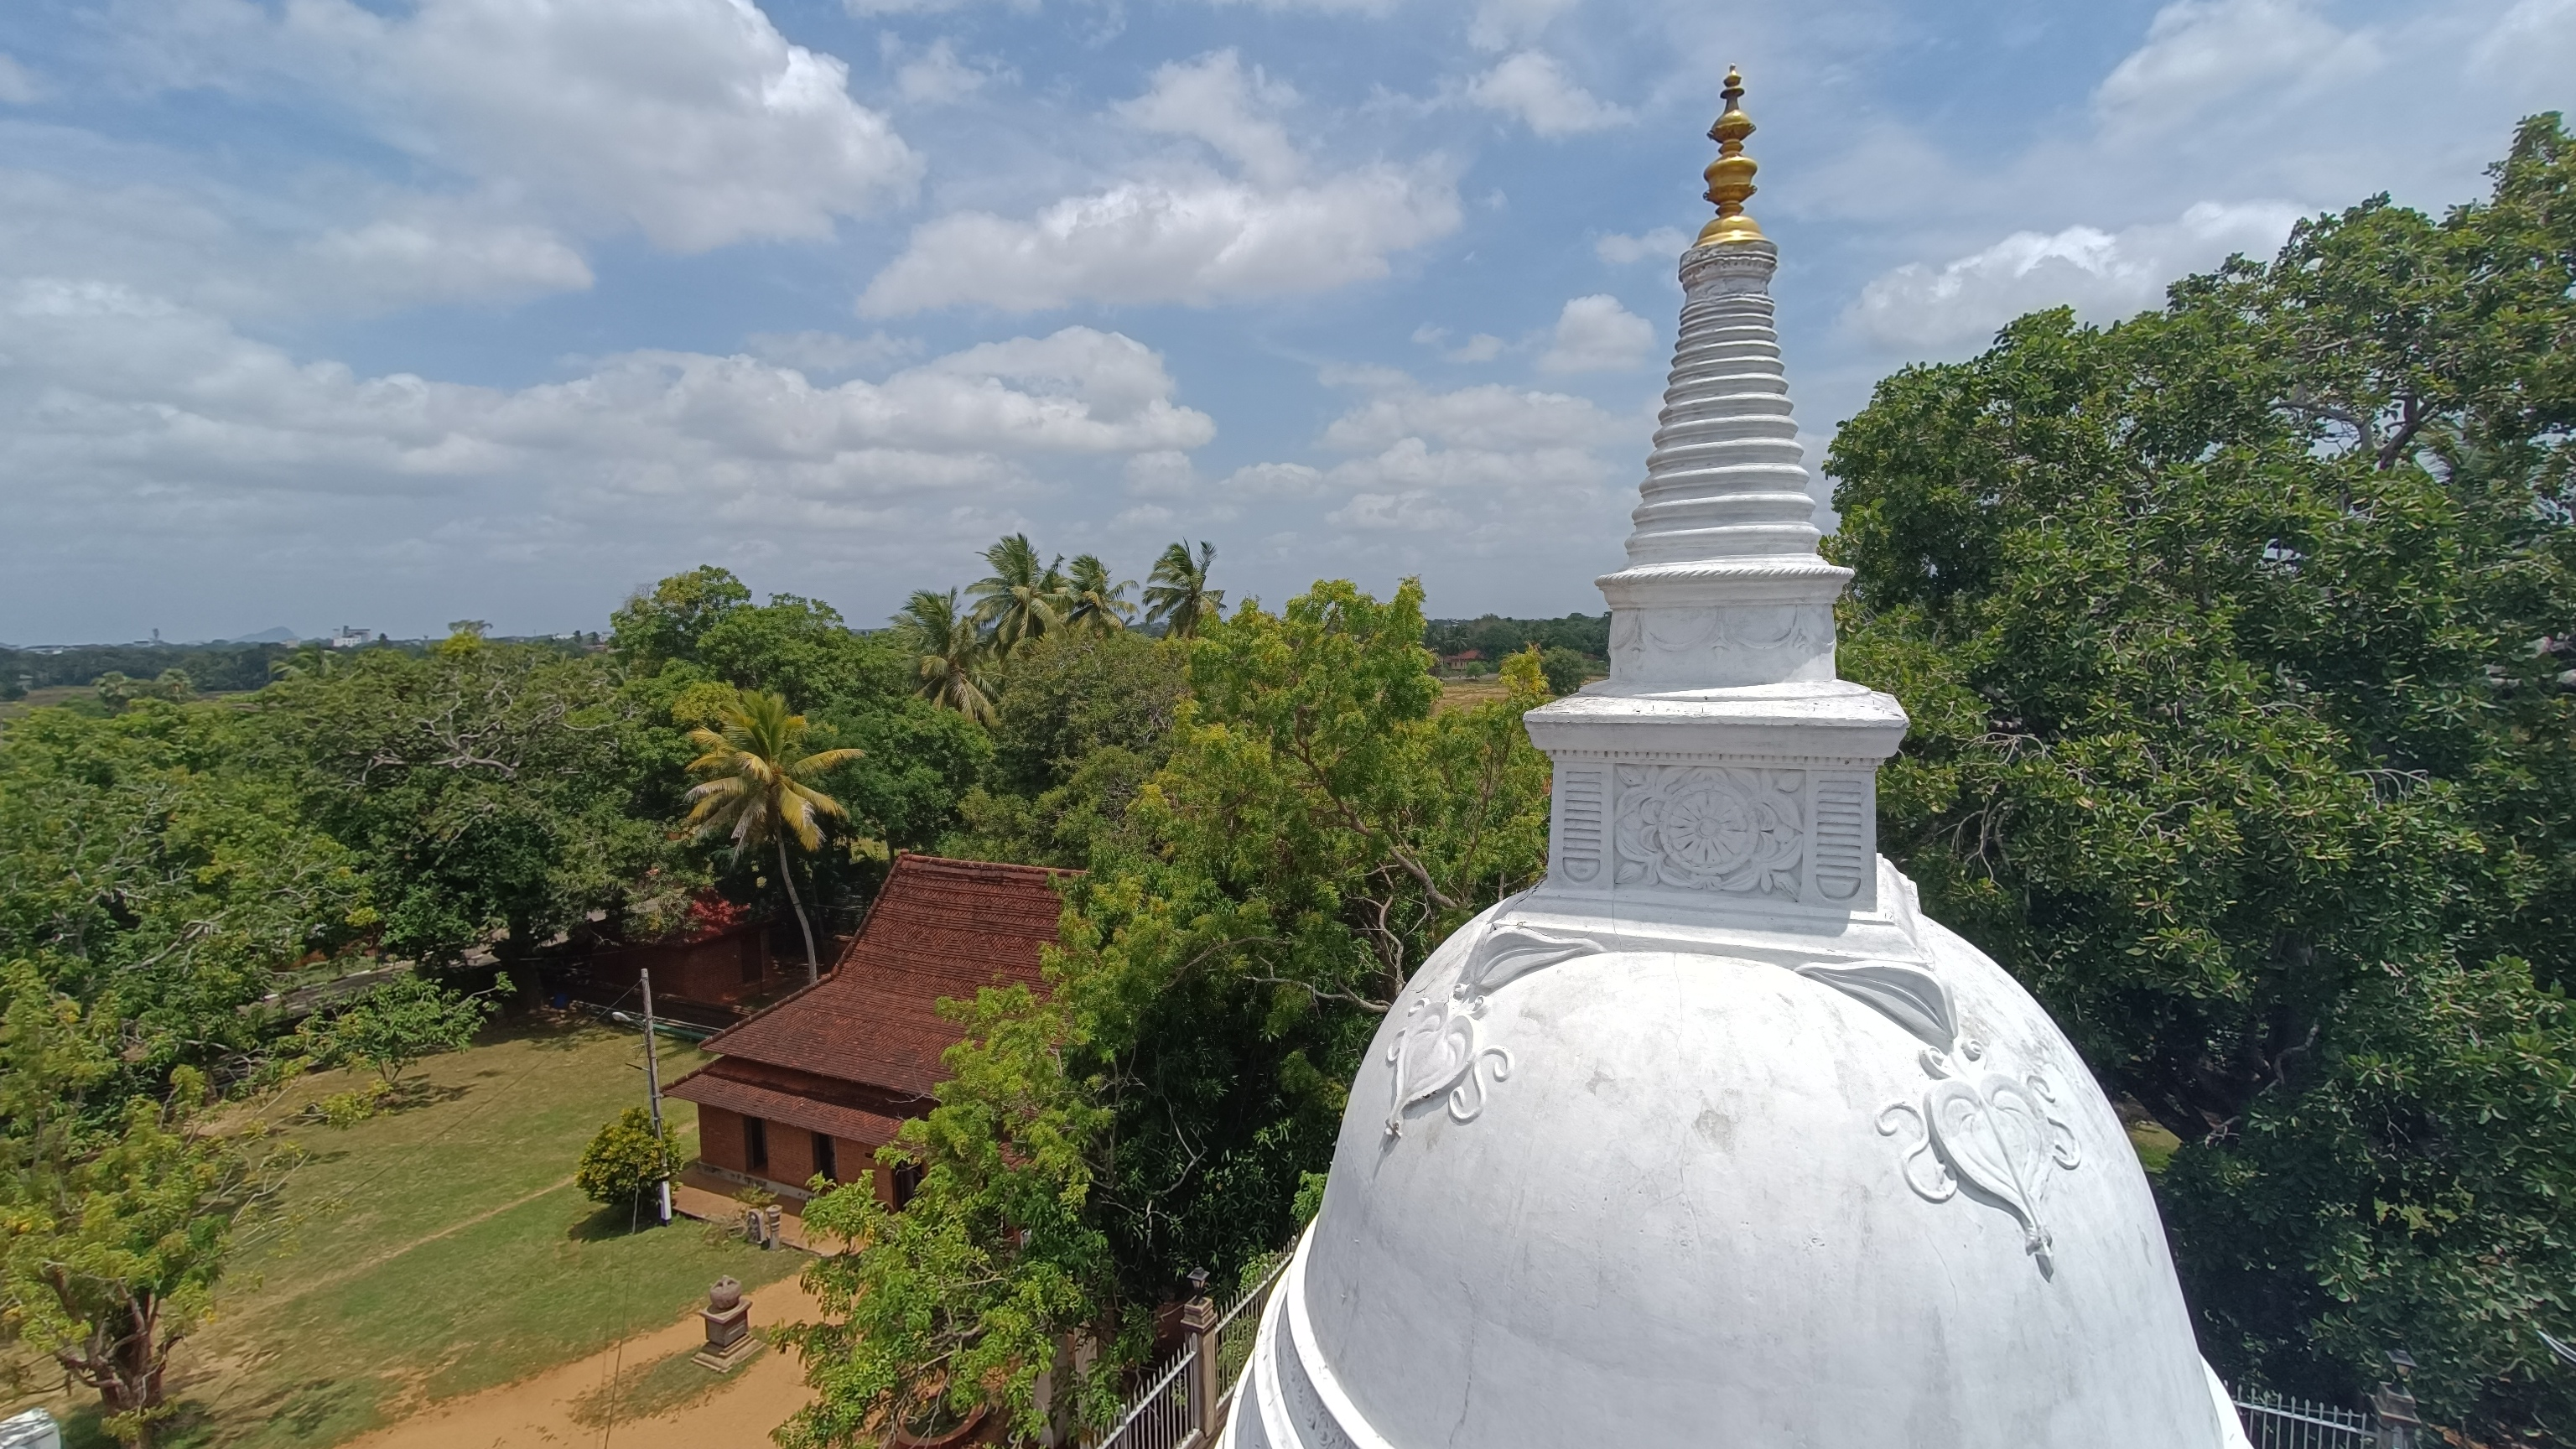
{"x":1708,"y":827}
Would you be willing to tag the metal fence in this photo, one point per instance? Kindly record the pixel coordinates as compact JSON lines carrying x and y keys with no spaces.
{"x":2275,"y":1421}
{"x":1168,"y":1414}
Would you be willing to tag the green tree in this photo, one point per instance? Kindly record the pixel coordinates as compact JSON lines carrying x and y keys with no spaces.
{"x":390,"y":1027}
{"x":497,"y":794}
{"x":118,"y":1216}
{"x":650,"y":629}
{"x":1314,"y":833}
{"x":949,"y":654}
{"x":1095,"y":601}
{"x":2233,"y":639}
{"x":153,"y":855}
{"x":1081,"y":722}
{"x":1565,"y":669}
{"x":1177,"y":595}
{"x":1021,"y":600}
{"x":755,"y":789}
{"x":625,"y":1160}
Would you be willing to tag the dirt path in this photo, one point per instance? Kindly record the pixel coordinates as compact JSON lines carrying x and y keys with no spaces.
{"x":538,"y":1411}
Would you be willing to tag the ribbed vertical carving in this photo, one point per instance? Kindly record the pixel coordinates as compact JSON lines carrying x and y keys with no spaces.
{"x":1842,"y":836}
{"x":1578,"y":822}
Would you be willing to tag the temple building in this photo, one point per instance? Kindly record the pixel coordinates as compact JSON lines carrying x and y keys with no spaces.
{"x":1713,"y":1137}
{"x":817,"y":1083}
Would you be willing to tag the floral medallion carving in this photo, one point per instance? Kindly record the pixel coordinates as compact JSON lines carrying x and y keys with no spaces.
{"x":1709,"y":827}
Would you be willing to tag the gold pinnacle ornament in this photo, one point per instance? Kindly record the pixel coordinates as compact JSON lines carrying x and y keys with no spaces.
{"x":1730,"y":176}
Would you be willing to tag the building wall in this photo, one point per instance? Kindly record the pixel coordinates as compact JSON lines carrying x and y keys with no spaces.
{"x":720,"y":971}
{"x":720,"y":1139}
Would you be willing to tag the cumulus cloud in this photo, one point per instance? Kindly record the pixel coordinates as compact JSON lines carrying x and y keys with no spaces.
{"x":1189,"y":235}
{"x":817,"y":353}
{"x":1596,"y":334}
{"x":693,"y":120}
{"x":1481,"y":347}
{"x":1479,"y":464}
{"x":1664,"y":243}
{"x":1533,"y":87}
{"x":110,"y":393}
{"x":1213,"y":99}
{"x":2103,"y":275}
{"x":2201,"y":52}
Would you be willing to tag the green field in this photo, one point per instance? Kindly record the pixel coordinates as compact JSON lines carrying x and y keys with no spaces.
{"x":443,"y":1249}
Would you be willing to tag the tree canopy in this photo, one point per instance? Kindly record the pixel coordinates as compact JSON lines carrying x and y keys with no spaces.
{"x":2237,"y":640}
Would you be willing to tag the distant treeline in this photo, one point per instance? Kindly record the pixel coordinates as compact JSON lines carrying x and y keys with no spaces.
{"x":209,"y":667}
{"x":1493,"y":636}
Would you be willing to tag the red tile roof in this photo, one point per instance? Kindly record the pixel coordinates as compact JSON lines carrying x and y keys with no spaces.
{"x":797,"y":1099}
{"x":940,"y":928}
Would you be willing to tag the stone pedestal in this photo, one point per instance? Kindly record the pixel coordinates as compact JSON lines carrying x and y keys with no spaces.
{"x":728,"y":1320}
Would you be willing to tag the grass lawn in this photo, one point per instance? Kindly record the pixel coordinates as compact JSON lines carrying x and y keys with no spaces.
{"x":446,"y":1250}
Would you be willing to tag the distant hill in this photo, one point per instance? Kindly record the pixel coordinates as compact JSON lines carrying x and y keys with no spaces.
{"x":279,"y":635}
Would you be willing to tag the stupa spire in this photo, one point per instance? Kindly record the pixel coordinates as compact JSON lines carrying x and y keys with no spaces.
{"x":1724,"y":587}
{"x":1730,"y":176}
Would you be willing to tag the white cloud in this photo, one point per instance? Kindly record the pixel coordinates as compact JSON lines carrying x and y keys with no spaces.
{"x":1211,"y":99}
{"x":1534,"y":88}
{"x":432,"y":254}
{"x":1500,"y":24}
{"x":1482,"y":464}
{"x":1276,"y":480}
{"x":18,"y":85}
{"x":936,"y":77}
{"x":827,"y":353}
{"x":693,"y":120}
{"x":113,"y":396}
{"x":1664,"y":243}
{"x":2201,"y":52}
{"x":2532,"y":48}
{"x":1166,"y":473}
{"x":1481,"y":347}
{"x":1414,"y":511}
{"x":1186,"y":235}
{"x":2103,"y":275}
{"x":1596,"y":334}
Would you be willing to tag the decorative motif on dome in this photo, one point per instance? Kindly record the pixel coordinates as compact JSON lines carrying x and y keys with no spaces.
{"x":1438,"y":1049}
{"x":1999,"y":1134}
{"x":1708,"y":827}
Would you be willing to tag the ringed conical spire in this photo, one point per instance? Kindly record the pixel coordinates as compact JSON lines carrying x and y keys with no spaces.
{"x":1724,"y":588}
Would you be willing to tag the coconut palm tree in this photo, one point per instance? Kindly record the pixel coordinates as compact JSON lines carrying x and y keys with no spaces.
{"x":1096,"y":603}
{"x":1176,"y":592}
{"x":949,"y":658}
{"x":1021,"y":599}
{"x":755,"y":789}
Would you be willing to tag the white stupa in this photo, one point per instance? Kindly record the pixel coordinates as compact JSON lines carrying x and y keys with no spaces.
{"x":1713,"y":1138}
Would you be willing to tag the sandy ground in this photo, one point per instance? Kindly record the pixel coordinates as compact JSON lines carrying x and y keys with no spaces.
{"x":538,"y":1411}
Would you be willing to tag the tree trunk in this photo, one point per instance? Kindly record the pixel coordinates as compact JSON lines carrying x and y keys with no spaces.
{"x":787,"y":878}
{"x":129,"y":1377}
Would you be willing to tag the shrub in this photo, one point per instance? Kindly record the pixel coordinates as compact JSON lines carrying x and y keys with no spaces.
{"x":624,"y":1161}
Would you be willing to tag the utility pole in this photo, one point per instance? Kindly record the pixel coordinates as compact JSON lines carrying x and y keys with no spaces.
{"x":653,"y":1091}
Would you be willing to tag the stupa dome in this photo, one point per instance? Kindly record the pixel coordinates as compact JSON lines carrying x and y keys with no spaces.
{"x":1713,"y":1137}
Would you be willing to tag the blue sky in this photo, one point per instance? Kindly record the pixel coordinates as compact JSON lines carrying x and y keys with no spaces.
{"x":391,"y":312}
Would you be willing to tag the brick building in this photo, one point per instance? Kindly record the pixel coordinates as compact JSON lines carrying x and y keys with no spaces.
{"x":817,"y":1083}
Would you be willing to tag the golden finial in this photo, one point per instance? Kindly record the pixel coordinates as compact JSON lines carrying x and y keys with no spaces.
{"x":1730,"y":176}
